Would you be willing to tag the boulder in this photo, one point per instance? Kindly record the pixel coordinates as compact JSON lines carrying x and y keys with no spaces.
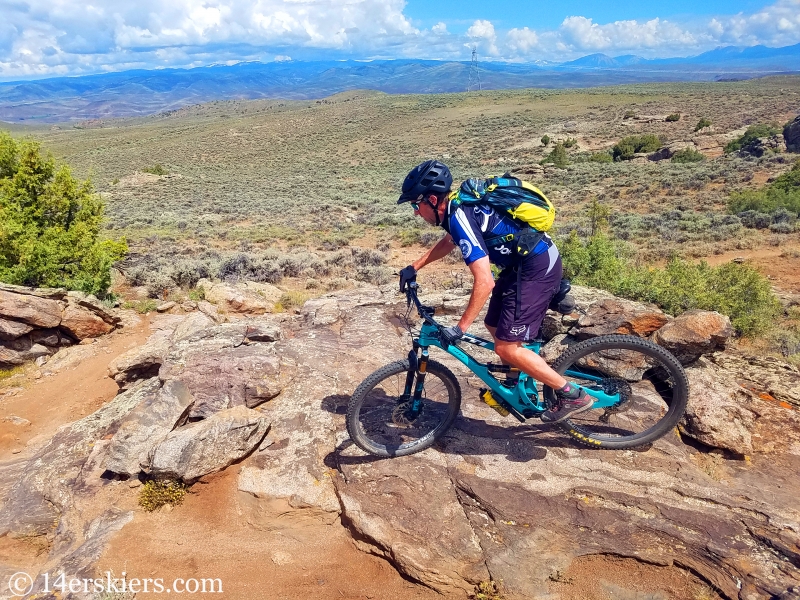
{"x":20,"y":351}
{"x":694,"y":333}
{"x":791,"y":135}
{"x":92,"y":304}
{"x":619,"y":316}
{"x":210,"y":311}
{"x":410,"y":530}
{"x":69,"y":357}
{"x":263,"y":332}
{"x":764,"y":145}
{"x":141,"y":362}
{"x":166,"y":306}
{"x":82,"y":323}
{"x":207,"y":446}
{"x":31,"y":309}
{"x":221,"y":371}
{"x":666,"y":152}
{"x":718,"y":414}
{"x":150,"y":421}
{"x":765,"y":375}
{"x":50,"y":337}
{"x":194,"y":322}
{"x":250,"y":299}
{"x":49,"y":293}
{"x":11,"y":330}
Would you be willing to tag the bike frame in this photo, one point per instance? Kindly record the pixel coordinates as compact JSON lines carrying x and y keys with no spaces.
{"x":524,"y":399}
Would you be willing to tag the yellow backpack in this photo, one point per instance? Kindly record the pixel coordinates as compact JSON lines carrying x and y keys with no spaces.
{"x":522,"y":201}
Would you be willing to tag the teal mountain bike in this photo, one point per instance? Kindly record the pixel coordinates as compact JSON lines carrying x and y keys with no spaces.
{"x":640,"y":391}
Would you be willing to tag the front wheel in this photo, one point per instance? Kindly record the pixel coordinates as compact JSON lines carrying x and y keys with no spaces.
{"x":649,"y":382}
{"x":378,"y":421}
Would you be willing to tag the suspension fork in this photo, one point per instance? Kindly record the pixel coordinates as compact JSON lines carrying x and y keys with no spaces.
{"x":422,"y":369}
{"x":413,"y":363}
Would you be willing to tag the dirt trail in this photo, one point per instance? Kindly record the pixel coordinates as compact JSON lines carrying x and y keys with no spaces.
{"x":257,"y":551}
{"x":780,"y":265}
{"x":52,"y":401}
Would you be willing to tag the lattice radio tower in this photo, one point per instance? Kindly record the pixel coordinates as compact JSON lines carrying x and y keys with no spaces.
{"x":474,"y":73}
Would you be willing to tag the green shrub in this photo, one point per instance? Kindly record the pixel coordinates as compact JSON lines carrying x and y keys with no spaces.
{"x":783,"y":193}
{"x":155,"y":494}
{"x":155,"y":170}
{"x":545,"y":140}
{"x":673,"y":117}
{"x":141,"y":306}
{"x":753,"y":133}
{"x":688,"y":155}
{"x":702,"y":124}
{"x":570,"y":143}
{"x":291,"y":299}
{"x":50,"y":224}
{"x":197,"y":294}
{"x":558,"y":156}
{"x":633,"y":144}
{"x":736,"y":290}
{"x":601,"y":157}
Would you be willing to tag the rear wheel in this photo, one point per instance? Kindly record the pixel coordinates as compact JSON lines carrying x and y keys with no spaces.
{"x":650,"y":382}
{"x":378,"y":421}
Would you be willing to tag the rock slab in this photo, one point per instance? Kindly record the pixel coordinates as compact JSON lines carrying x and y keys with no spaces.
{"x":207,"y":446}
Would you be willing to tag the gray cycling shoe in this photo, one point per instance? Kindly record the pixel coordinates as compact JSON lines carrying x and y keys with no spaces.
{"x":567,"y":407}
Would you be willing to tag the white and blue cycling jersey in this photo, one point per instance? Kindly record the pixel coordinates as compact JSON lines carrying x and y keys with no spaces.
{"x":471,"y":225}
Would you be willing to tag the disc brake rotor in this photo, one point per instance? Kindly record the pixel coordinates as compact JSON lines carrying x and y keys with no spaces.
{"x":401,"y":415}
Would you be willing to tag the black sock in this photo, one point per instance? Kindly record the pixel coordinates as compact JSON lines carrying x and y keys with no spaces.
{"x":570,"y":391}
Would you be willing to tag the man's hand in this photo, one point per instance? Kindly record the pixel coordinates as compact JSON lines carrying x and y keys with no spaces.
{"x":407,"y":275}
{"x":451,"y":335}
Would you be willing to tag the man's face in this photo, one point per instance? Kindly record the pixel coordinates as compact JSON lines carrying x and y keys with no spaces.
{"x":424,"y":208}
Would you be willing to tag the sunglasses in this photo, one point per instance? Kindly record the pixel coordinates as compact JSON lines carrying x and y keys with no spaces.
{"x":415,"y":204}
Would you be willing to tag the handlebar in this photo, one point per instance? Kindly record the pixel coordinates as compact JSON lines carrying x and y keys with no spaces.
{"x":426,"y":312}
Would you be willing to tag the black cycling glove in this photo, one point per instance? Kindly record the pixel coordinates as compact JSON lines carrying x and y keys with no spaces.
{"x":451,"y":335}
{"x":407,"y":275}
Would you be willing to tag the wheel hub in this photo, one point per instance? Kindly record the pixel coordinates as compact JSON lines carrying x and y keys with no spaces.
{"x":402,"y":415}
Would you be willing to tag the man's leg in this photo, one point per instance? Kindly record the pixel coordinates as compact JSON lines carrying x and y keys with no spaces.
{"x":510,"y":328}
{"x":529,"y":362}
{"x":514,"y":354}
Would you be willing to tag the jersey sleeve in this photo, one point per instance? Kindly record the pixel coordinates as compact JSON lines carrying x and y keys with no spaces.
{"x":467,"y":235}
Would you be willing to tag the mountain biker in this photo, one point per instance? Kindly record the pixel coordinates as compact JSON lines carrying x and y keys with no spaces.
{"x":513,"y":316}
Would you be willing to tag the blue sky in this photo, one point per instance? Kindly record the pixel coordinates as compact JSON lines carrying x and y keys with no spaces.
{"x":538,"y":14}
{"x":40,"y":38}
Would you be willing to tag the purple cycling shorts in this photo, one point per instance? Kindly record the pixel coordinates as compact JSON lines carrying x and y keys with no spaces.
{"x":541,"y":278}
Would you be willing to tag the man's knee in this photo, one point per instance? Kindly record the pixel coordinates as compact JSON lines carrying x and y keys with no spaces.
{"x":506,"y":350}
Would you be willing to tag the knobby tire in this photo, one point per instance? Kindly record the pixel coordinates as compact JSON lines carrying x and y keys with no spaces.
{"x":364,"y":439}
{"x":671,"y":379}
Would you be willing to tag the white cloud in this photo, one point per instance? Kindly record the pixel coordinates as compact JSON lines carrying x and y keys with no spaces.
{"x":522,"y":40}
{"x":41,"y":37}
{"x":484,"y":32}
{"x":774,"y":25}
{"x":581,"y":33}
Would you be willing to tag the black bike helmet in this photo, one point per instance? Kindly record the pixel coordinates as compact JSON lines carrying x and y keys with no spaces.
{"x":431,"y":177}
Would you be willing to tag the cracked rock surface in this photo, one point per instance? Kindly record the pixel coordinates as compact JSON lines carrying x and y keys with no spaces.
{"x":494,"y":499}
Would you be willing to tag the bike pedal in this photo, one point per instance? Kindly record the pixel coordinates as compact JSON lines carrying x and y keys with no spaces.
{"x":486,"y":396}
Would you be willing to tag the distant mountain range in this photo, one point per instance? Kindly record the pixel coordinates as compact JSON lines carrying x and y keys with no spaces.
{"x":734,"y":58}
{"x":135,"y":93}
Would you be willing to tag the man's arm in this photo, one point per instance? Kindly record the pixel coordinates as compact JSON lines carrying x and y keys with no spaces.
{"x":482,"y":286}
{"x":442,"y":248}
